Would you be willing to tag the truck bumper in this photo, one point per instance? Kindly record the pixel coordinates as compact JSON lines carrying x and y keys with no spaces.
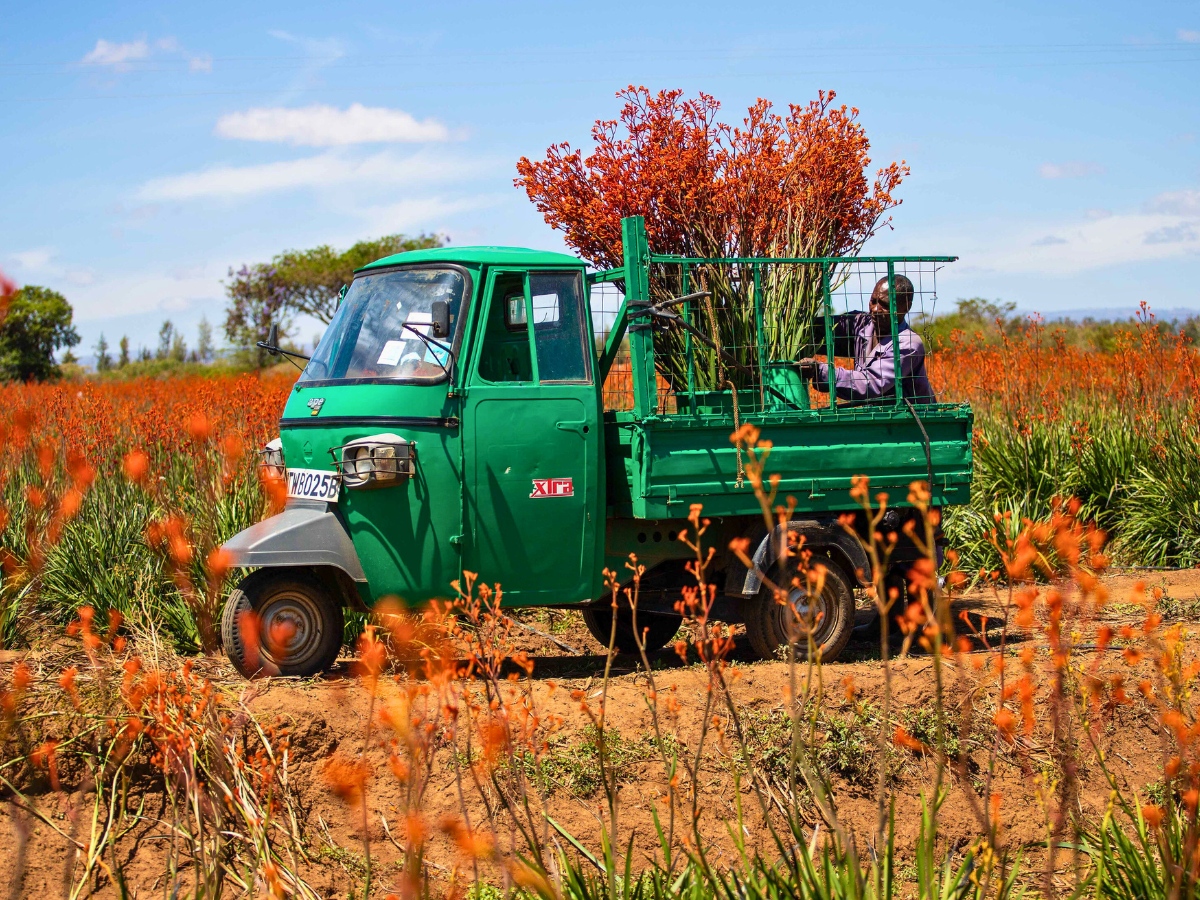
{"x":306,"y":533}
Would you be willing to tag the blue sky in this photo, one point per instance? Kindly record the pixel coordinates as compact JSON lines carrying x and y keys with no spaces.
{"x":149,"y":147}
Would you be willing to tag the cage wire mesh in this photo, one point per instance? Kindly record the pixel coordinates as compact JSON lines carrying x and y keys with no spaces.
{"x":763,"y":315}
{"x":606,"y":300}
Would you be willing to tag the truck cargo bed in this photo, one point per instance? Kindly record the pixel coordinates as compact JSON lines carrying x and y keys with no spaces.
{"x":658,"y":466}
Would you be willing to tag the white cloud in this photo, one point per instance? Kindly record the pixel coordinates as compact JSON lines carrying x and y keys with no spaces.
{"x":1183,"y":233}
{"x":1072,"y":169}
{"x":328,"y":126}
{"x":36,"y":259}
{"x":118,"y":56}
{"x":420,"y":212}
{"x":197,"y":62}
{"x":1177,"y":203}
{"x":1188,"y":35}
{"x":322,"y":171}
{"x":317,"y":47}
{"x":145,"y":292}
{"x":1094,"y":243}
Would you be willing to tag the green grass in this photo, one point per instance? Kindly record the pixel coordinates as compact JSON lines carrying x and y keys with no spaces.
{"x":841,"y":742}
{"x":1141,"y":486}
{"x":103,"y":559}
{"x":574,"y":765}
{"x":921,"y":723}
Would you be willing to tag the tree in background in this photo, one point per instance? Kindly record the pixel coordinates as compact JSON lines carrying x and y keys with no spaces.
{"x":123,"y":357}
{"x":794,"y":185}
{"x":257,"y":298}
{"x":988,"y":320}
{"x":165,"y":335}
{"x":37,"y":324}
{"x":103,"y":360}
{"x":204,"y":341}
{"x":979,"y":321}
{"x":300,"y":283}
{"x":314,"y":278}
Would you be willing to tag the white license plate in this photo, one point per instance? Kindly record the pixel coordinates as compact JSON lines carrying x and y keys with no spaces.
{"x":313,"y":484}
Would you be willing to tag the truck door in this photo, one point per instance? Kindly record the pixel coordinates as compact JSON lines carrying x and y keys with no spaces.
{"x":531,"y":422}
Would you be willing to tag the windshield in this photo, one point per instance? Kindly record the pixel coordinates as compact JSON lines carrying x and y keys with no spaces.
{"x":368,"y":338}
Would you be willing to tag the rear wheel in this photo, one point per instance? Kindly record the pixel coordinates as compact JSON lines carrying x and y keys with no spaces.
{"x":657,"y":628}
{"x":281,"y":622}
{"x":772,"y":624}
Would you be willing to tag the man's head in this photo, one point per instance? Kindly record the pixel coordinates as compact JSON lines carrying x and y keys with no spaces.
{"x":879,"y":302}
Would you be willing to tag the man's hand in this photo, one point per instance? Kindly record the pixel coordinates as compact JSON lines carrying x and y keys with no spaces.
{"x":807,"y":367}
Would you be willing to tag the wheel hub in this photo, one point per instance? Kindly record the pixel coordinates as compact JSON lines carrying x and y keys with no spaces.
{"x":808,"y":611}
{"x":289,"y":629}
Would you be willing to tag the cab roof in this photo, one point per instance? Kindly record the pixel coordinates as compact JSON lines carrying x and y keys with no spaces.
{"x":491,"y":256}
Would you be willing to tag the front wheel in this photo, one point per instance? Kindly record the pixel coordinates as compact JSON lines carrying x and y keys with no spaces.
{"x":281,"y":622}
{"x":657,"y":628}
{"x":822,"y":621}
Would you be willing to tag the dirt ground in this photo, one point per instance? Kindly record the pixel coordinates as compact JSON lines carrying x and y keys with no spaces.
{"x":331,"y":713}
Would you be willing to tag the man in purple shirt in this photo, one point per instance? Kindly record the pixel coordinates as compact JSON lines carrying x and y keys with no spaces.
{"x":870,"y":337}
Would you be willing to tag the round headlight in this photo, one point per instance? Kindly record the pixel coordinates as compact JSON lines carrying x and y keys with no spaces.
{"x":271,"y":458}
{"x":359,"y":459}
{"x":375,"y":461}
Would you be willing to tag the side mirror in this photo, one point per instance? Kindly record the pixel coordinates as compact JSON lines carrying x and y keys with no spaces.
{"x":440,"y":313}
{"x":273,"y":339}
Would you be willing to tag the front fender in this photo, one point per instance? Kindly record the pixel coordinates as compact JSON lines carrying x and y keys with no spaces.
{"x":306,"y":533}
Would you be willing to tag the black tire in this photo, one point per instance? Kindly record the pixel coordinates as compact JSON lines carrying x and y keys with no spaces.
{"x":771,"y":625}
{"x":299,"y":624}
{"x":657,"y":628}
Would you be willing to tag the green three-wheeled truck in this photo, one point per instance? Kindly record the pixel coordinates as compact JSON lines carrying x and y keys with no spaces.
{"x":453,"y":418}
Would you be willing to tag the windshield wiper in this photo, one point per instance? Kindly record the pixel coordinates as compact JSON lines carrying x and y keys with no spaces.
{"x":430,"y":342}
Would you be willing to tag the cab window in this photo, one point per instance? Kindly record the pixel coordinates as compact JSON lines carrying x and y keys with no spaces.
{"x":536,"y":317}
{"x":505,"y":356}
{"x":558,"y":326}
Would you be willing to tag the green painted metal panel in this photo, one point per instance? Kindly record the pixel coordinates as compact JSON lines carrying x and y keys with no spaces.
{"x":637,"y":293}
{"x":749,"y":260}
{"x":489,"y":256}
{"x":403,"y":533}
{"x":526,"y":531}
{"x":535,"y":484}
{"x":650,"y":540}
{"x":894,"y":323}
{"x":827,"y":302}
{"x":676,"y":461}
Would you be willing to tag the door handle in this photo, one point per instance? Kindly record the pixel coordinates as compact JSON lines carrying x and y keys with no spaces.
{"x":580,"y":427}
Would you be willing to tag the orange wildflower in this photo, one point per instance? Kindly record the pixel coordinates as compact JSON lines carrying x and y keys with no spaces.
{"x":136,"y":466}
{"x":66,"y":681}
